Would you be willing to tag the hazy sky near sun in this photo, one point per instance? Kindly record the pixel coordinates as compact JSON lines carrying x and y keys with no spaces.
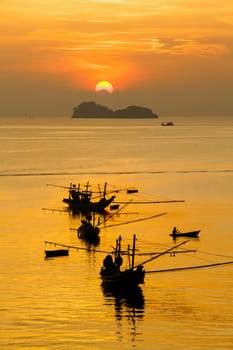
{"x":174,"y":56}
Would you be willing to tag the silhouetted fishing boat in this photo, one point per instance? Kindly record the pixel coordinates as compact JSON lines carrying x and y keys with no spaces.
{"x":88,"y":230}
{"x":167,"y":124}
{"x":83,"y":200}
{"x":111,"y":272}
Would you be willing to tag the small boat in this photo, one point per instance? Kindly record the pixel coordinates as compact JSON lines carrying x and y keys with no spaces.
{"x":88,"y":230}
{"x":167,"y":124}
{"x":56,"y":252}
{"x":114,"y":206}
{"x":132,"y":190}
{"x":112,"y":275}
{"x":176,"y":233}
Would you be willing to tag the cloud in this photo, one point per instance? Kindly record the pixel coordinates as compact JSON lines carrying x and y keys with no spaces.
{"x":225,"y":19}
{"x":191,"y":47}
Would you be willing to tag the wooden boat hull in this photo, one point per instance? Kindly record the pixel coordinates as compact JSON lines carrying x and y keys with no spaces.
{"x":56,"y":252}
{"x":88,"y":233}
{"x":129,"y":191}
{"x":185,"y":234}
{"x":114,"y":206}
{"x":123,"y":279}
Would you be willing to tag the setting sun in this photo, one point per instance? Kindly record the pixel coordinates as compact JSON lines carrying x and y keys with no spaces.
{"x":104,"y":86}
{"x":176,"y":57}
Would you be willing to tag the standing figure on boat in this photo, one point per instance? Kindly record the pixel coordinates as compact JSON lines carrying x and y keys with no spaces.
{"x":109,"y":266}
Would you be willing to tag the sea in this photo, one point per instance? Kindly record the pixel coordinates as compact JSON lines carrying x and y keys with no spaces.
{"x":186,"y":170}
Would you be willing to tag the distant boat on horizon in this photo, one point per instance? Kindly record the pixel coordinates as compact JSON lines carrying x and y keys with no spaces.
{"x":167,"y":123}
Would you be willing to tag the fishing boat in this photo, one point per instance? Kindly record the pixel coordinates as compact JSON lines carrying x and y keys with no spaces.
{"x":176,"y":233}
{"x":167,"y":123}
{"x":88,"y":230}
{"x":82,"y":199}
{"x":111,"y":273}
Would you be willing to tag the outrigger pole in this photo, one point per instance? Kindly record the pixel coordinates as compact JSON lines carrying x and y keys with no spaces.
{"x":155,"y":202}
{"x":77,"y":248}
{"x":60,"y":186}
{"x":191,"y":267}
{"x":160,"y":254}
{"x":132,"y":221}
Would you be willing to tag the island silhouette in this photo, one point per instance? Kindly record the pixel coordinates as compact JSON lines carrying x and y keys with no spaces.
{"x":94,"y":110}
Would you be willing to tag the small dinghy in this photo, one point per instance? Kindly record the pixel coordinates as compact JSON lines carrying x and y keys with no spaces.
{"x":176,"y":233}
{"x":56,"y":252}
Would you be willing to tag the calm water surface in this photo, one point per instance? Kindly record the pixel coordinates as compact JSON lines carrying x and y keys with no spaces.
{"x":59,"y":303}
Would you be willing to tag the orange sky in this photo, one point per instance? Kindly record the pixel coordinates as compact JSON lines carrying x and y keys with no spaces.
{"x":172,"y":56}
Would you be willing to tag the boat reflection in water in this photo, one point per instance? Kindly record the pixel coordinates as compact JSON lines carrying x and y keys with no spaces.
{"x":115,"y":278}
{"x":90,"y":242}
{"x":129,"y":298}
{"x":88,"y":230}
{"x":129,"y":309}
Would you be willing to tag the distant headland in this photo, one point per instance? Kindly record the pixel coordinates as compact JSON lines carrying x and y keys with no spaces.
{"x":93,"y":110}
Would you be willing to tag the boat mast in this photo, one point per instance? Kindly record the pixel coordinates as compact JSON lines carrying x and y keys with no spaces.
{"x":133,"y":253}
{"x":99,"y":190}
{"x":105,"y":187}
{"x":87,"y":186}
{"x":117,"y":249}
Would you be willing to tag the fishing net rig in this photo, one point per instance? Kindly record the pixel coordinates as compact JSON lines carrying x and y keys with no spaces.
{"x":199,"y":255}
{"x":172,"y":251}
